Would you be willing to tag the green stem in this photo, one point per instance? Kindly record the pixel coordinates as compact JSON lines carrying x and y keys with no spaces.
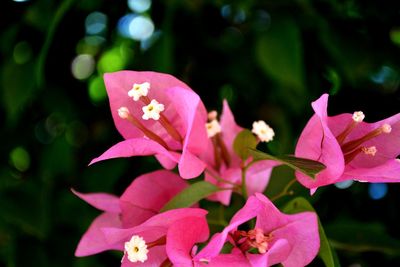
{"x":220,"y":179}
{"x":244,"y":187}
{"x":285,"y":191}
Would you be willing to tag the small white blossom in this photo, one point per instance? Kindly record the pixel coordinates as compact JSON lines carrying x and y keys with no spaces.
{"x":139,"y":90}
{"x":263,"y":131}
{"x":358,"y":116}
{"x":136,"y":249}
{"x":213,"y":127}
{"x":152,"y":110}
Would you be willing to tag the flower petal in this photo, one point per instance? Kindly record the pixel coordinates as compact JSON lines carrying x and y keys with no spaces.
{"x":94,"y":241}
{"x":317,"y":142}
{"x":101,"y":201}
{"x":232,"y":175}
{"x":257,"y":176}
{"x":119,"y":83}
{"x":229,"y":132}
{"x":136,"y":204}
{"x":181,"y":242}
{"x":249,"y":211}
{"x":135,"y":147}
{"x":388,"y":172}
{"x":194,"y":117}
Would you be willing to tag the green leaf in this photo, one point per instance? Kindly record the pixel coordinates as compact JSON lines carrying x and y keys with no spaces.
{"x":280,"y":53}
{"x":326,"y":253}
{"x":243,"y":141}
{"x":191,"y":195}
{"x":306,"y":166}
{"x":58,"y":16}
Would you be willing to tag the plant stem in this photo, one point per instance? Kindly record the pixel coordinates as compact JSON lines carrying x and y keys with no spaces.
{"x":244,"y":187}
{"x":285,"y":191}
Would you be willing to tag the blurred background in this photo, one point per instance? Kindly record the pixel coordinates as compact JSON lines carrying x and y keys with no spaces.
{"x":270,"y":59}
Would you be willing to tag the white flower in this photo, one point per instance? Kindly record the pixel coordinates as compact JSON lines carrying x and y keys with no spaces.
{"x":213,"y":127}
{"x":263,"y":131}
{"x":152,"y":110}
{"x":358,"y":116}
{"x":136,"y":249}
{"x":139,"y":90}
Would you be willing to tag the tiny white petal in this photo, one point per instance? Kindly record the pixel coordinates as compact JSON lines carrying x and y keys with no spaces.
{"x":152,"y":110}
{"x":358,"y":116}
{"x":263,"y":131}
{"x":213,"y":127}
{"x":136,"y":249}
{"x":139,"y":90}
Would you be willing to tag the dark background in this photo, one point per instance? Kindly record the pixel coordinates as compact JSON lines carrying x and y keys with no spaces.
{"x":270,"y":59}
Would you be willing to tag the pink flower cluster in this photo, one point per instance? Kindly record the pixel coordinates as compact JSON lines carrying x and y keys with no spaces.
{"x":161,"y":116}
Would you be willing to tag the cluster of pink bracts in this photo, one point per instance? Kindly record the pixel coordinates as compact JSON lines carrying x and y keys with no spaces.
{"x":159,"y":115}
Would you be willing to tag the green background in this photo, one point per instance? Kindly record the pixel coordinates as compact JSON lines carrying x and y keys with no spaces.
{"x":270,"y":59}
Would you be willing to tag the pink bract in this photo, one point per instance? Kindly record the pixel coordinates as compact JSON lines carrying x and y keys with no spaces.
{"x":291,"y":240}
{"x":143,"y":199}
{"x":257,"y":176}
{"x":183,"y":109}
{"x":181,"y":245}
{"x":319,"y":141}
{"x":155,"y":228}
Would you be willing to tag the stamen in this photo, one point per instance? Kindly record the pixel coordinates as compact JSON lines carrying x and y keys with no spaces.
{"x":369,"y":150}
{"x":350,"y":146}
{"x":213,"y":127}
{"x":212,"y":115}
{"x":224,"y":151}
{"x":152,"y":110}
{"x":136,"y":249}
{"x":263,"y":131}
{"x":217,"y":155}
{"x":386,"y":128}
{"x":165,"y":122}
{"x":124,"y":113}
{"x":252,"y":239}
{"x":358,"y":117}
{"x":139,"y":90}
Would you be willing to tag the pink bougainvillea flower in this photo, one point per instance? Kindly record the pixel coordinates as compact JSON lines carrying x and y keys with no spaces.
{"x":181,"y":245}
{"x":349,"y":148}
{"x":146,"y":243}
{"x":224,"y":166}
{"x":141,"y":200}
{"x":291,"y":240}
{"x":157,"y":115}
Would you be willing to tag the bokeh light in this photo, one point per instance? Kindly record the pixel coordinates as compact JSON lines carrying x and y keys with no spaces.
{"x":95,"y":23}
{"x":344,"y":184}
{"x":139,"y":6}
{"x":141,"y":28}
{"x":123,"y":25}
{"x":147,"y":43}
{"x":20,"y":159}
{"x":96,"y":90}
{"x":82,"y":66}
{"x":111,"y":61}
{"x":377,"y":190}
